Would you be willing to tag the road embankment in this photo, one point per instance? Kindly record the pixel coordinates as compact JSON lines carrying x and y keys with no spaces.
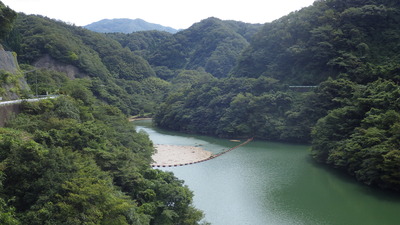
{"x":10,"y":108}
{"x":7,"y":111}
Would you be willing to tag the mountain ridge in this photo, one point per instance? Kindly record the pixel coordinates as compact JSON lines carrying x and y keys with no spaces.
{"x":125,"y":25}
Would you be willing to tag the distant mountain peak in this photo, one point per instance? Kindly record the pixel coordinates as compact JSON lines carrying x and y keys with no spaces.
{"x":124,"y":25}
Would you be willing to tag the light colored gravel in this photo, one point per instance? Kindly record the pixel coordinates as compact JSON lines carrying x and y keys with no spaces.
{"x":167,"y":155}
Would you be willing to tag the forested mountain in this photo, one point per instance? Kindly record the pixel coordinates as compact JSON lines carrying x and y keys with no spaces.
{"x":75,"y":159}
{"x":293,"y":51}
{"x":349,"y":52}
{"x":363,"y":135}
{"x":126,"y":26}
{"x":12,"y":82}
{"x":7,"y":16}
{"x":222,"y":78}
{"x":118,"y":76}
{"x":357,"y":38}
{"x":211,"y":44}
{"x":143,"y":43}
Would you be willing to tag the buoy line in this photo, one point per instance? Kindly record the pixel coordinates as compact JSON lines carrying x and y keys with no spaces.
{"x":203,"y":160}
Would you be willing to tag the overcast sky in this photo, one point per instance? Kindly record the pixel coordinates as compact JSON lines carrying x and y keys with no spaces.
{"x":179,"y":14}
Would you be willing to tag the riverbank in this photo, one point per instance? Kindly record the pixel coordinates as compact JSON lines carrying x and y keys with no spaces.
{"x":171,"y":155}
{"x":134,"y":118}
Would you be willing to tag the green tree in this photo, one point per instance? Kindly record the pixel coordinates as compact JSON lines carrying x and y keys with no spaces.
{"x":7,"y":17}
{"x":361,"y":138}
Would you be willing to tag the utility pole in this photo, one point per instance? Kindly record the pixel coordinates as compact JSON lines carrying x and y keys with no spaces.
{"x":36,"y":87}
{"x":36,"y":79}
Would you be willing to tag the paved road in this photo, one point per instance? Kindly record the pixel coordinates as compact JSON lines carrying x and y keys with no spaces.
{"x":27,"y":100}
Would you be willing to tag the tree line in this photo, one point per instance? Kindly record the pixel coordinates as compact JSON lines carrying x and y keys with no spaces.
{"x":349,"y":50}
{"x":76,"y":160}
{"x":230,"y":79}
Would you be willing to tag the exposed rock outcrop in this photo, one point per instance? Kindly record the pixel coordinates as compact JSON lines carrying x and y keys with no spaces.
{"x":12,"y":81}
{"x":49,"y":63}
{"x":8,"y":61}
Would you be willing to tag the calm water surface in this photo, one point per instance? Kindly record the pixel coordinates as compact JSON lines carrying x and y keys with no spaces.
{"x":265,"y":183}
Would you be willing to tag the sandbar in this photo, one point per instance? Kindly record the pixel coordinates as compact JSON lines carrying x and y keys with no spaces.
{"x":173,"y":155}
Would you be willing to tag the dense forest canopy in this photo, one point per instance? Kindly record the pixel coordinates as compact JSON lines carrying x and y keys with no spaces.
{"x":77,"y":160}
{"x":117,"y":74}
{"x":362,"y":136}
{"x":357,"y":39}
{"x":335,"y":62}
{"x":212,"y":44}
{"x":7,"y":17}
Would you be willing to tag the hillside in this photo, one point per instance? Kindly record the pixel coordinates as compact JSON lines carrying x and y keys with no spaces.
{"x":113,"y":70}
{"x":126,"y":26}
{"x":348,"y":51}
{"x":330,"y":38}
{"x":7,"y":16}
{"x":75,"y":159}
{"x":231,"y":79}
{"x":131,"y":63}
{"x":143,"y":43}
{"x":211,"y":44}
{"x":12,"y":83}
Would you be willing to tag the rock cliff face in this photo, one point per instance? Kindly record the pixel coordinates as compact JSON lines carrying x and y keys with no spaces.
{"x":8,"y":61}
{"x":49,"y":63}
{"x":12,"y":81}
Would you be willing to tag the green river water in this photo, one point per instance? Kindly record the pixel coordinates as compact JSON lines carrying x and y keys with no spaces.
{"x":265,"y":183}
